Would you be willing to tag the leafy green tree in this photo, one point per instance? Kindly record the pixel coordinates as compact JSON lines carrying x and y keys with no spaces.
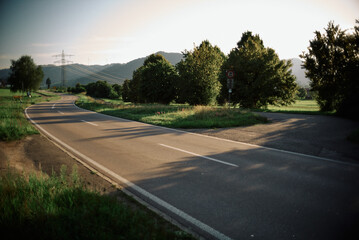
{"x":135,"y":84}
{"x":25,"y":76}
{"x":101,"y":89}
{"x":126,"y":91}
{"x":198,"y":74}
{"x":77,"y":89}
{"x":117,"y":88}
{"x":48,"y":83}
{"x":261,"y":78}
{"x":302,"y":93}
{"x":157,"y":80}
{"x":332,"y":65}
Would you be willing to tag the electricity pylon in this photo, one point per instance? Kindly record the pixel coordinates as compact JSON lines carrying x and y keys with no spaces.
{"x":63,"y":62}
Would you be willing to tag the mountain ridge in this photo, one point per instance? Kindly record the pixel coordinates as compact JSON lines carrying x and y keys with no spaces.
{"x":119,"y":72}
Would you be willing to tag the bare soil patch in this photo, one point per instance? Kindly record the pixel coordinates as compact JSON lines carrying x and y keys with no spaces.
{"x":35,"y":154}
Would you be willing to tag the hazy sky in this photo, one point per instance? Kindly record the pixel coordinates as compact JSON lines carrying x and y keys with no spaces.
{"x":118,"y":31}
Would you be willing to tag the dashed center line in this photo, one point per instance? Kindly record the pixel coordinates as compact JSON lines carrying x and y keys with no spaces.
{"x":60,"y":112}
{"x":94,"y":124}
{"x":198,"y":155}
{"x":53,"y":106}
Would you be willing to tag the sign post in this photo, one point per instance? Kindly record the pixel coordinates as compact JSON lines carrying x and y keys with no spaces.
{"x":230,"y":82}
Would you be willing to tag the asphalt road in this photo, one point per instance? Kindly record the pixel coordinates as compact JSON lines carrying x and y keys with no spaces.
{"x":221,"y":189}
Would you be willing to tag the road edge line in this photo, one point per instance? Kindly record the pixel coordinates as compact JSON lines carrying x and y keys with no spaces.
{"x":236,"y":142}
{"x":205,"y":228}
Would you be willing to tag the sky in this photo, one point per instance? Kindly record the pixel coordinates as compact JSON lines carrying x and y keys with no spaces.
{"x":118,"y":31}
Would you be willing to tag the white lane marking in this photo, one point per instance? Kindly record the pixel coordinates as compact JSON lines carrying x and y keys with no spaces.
{"x":53,"y":106}
{"x":60,"y":112}
{"x":192,"y":220}
{"x":94,"y":124}
{"x":353,"y":164}
{"x":198,"y":155}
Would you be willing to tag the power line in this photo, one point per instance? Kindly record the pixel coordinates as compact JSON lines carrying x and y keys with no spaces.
{"x":63,"y":62}
{"x":100,"y":75}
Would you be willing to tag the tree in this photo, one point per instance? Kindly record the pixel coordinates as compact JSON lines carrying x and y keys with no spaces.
{"x":332,"y":65}
{"x":198,"y":74}
{"x":101,"y":89}
{"x":126,"y":91}
{"x":117,"y":88}
{"x":157,"y":80}
{"x":25,"y":76}
{"x":261,"y":78}
{"x":302,"y":93}
{"x":48,"y":83}
{"x":135,"y":84}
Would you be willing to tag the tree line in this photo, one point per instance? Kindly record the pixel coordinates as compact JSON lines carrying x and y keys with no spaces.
{"x":261,"y":78}
{"x":199,"y":78}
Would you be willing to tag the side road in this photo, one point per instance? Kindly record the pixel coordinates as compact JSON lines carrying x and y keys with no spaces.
{"x":322,"y":136}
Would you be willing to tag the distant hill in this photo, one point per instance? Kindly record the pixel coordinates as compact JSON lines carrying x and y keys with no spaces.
{"x":299,"y":72}
{"x":118,"y":72}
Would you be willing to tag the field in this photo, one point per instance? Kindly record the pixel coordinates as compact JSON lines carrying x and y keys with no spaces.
{"x":175,"y":115}
{"x":13,"y":124}
{"x":300,"y":106}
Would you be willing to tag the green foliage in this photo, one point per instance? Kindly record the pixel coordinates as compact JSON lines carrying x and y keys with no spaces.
{"x":60,"y":207}
{"x":48,"y":83}
{"x":175,"y":116}
{"x":77,"y":89}
{"x":134,"y":86}
{"x":13,"y":124}
{"x":302,"y":93}
{"x":158,"y":77}
{"x":153,"y":82}
{"x":117,"y":88}
{"x":126,"y":91}
{"x":261,"y":77}
{"x":198,"y":75}
{"x":101,"y":89}
{"x":25,"y":76}
{"x":332,"y":65}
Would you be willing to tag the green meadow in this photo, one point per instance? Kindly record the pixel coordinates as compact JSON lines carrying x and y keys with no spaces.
{"x":13,"y":123}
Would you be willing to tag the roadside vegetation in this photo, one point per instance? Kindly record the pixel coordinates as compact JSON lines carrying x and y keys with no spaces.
{"x":60,"y":207}
{"x":299,"y":106}
{"x":13,"y":123}
{"x":175,"y":115}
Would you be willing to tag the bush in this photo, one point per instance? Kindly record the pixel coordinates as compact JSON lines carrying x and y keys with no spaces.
{"x":77,"y":89}
{"x":101,"y":89}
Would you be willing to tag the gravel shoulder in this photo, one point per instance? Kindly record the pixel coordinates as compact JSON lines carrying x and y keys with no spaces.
{"x":323,"y":136}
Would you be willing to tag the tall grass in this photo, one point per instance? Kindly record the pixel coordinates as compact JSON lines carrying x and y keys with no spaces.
{"x":13,"y":124}
{"x":175,"y":116}
{"x":60,"y":207}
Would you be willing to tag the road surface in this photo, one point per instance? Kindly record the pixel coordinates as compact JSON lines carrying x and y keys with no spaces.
{"x":221,"y":189}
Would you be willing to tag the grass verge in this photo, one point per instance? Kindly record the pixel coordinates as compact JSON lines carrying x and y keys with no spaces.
{"x":60,"y":207}
{"x":300,"y":106}
{"x":13,"y":123}
{"x":174,"y":116}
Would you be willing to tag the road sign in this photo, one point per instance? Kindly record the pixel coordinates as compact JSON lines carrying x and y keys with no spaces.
{"x":230,"y":74}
